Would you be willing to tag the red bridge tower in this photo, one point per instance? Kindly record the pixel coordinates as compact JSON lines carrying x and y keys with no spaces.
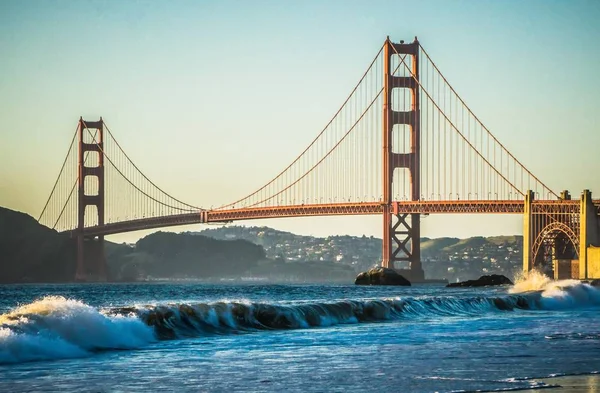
{"x":91,"y":263}
{"x":400,"y":229}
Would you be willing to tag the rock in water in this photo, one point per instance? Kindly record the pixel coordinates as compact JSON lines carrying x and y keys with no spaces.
{"x":381,"y":276}
{"x":483,"y":281}
{"x":363,"y":279}
{"x":594,"y":283}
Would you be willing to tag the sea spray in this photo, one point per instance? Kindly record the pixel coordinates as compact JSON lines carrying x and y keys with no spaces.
{"x":556,"y":294}
{"x":56,"y":327}
{"x":530,"y":281}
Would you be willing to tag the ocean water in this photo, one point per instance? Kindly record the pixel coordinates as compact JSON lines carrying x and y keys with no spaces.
{"x":198,"y":337}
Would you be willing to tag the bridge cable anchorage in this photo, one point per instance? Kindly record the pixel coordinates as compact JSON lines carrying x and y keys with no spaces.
{"x":510,"y":155}
{"x":135,"y":186}
{"x":314,"y":141}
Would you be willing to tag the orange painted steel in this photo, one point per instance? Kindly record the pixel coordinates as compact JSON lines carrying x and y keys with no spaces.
{"x":95,"y":253}
{"x":335,"y":209}
{"x":145,"y":223}
{"x":397,"y":235}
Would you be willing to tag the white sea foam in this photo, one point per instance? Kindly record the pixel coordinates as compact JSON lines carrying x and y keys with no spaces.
{"x":55,"y":327}
{"x":557,"y":294}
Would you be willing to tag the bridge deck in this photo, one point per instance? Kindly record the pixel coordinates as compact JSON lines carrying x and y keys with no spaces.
{"x":335,"y":209}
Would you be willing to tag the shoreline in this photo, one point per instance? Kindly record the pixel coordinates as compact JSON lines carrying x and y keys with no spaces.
{"x":585,"y":383}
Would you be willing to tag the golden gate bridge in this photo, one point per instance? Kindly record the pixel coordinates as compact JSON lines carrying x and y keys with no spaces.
{"x":402,"y":144}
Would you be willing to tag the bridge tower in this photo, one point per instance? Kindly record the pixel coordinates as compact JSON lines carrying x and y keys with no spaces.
{"x":400,"y":229}
{"x":91,"y":263}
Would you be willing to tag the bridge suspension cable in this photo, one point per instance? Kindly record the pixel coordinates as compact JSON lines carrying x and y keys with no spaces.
{"x":129,"y":193}
{"x":337,"y":165}
{"x":60,"y":210}
{"x":458,"y":159}
{"x":481,"y":142}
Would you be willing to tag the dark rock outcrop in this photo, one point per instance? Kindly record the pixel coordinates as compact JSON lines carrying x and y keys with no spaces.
{"x":483,"y":281}
{"x":595,"y":283}
{"x":381,"y":276}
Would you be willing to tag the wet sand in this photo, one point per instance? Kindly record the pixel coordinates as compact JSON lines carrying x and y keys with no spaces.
{"x":573,"y":383}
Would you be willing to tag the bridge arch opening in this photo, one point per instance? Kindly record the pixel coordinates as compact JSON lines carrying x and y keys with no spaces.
{"x":555,"y":242}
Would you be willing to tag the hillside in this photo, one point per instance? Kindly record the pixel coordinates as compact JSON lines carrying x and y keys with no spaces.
{"x":189,"y":255}
{"x":446,"y":257}
{"x":358,"y":252}
{"x":30,"y":252}
{"x":171,"y":255}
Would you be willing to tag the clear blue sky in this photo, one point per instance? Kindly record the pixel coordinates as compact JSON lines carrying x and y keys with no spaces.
{"x":187,"y":85}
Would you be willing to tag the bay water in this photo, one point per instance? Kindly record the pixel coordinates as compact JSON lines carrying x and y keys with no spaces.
{"x":207,"y":337}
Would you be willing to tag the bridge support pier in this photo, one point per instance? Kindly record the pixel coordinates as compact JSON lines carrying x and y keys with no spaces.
{"x":528,"y":233}
{"x":589,"y":233}
{"x":401,"y":229}
{"x":91,"y":263}
{"x":562,"y":238}
{"x":404,"y":244}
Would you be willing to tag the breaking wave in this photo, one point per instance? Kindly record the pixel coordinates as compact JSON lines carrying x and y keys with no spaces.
{"x":56,"y":327}
{"x":555,"y":295}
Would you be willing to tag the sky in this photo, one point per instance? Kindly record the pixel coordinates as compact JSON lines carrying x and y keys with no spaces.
{"x":212,"y":99}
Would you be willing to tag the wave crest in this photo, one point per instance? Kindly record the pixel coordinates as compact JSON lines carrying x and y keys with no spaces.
{"x":559,"y":294}
{"x":56,"y":327}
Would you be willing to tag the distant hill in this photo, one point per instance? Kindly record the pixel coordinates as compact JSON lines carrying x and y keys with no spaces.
{"x":358,"y":252}
{"x":434,"y":246}
{"x":172,"y":255}
{"x":30,"y":252}
{"x":445,"y":257}
{"x":288,"y":245}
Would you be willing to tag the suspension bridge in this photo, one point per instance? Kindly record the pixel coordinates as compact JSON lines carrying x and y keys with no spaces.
{"x":402,"y":144}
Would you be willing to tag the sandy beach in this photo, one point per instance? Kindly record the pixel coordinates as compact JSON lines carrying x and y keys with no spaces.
{"x":573,"y":383}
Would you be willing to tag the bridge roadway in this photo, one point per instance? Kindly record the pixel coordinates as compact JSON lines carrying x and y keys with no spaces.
{"x":335,"y":209}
